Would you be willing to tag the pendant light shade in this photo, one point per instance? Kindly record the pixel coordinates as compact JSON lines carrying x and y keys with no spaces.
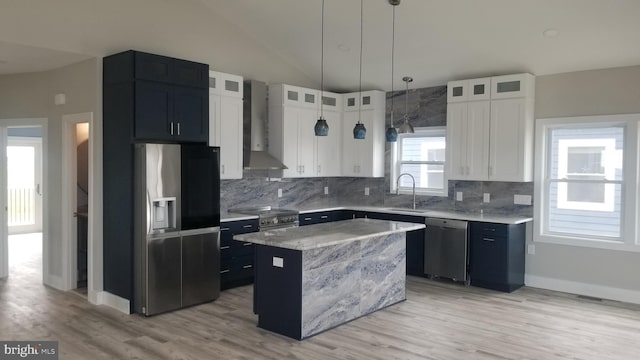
{"x":406,"y":127}
{"x":321,"y":128}
{"x":359,"y":131}
{"x":392,"y":134}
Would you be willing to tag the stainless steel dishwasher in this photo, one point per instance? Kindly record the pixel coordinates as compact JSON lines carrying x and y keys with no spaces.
{"x":445,"y":249}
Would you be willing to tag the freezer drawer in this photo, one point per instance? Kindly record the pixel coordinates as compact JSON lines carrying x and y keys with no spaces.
{"x":445,"y":249}
{"x":164,"y":275}
{"x":200,"y":268}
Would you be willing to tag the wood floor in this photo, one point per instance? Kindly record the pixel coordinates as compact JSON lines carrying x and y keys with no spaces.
{"x":438,"y":321}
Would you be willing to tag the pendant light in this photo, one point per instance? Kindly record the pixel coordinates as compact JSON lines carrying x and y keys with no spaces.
{"x":406,"y":127}
{"x":321,"y":128}
{"x":359,"y":131}
{"x":392,"y":134}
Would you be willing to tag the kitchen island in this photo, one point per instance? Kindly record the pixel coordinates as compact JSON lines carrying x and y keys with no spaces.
{"x":313,"y":278}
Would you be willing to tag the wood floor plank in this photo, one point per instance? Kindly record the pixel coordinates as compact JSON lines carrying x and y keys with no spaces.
{"x":439,"y":320}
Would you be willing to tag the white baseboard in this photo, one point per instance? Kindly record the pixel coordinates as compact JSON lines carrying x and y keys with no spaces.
{"x":55,"y":282}
{"x":114,"y":301}
{"x":573,"y":287}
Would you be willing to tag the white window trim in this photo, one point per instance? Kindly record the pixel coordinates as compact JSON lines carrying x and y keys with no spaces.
{"x":630,"y":211}
{"x":395,"y":166}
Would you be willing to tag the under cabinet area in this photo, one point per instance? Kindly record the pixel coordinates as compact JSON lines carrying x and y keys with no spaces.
{"x":225,"y":121}
{"x":497,"y":255}
{"x":490,"y":128}
{"x":236,"y":257}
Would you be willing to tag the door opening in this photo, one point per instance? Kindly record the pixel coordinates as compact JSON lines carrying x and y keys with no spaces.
{"x":82,"y":202}
{"x":24,"y":202}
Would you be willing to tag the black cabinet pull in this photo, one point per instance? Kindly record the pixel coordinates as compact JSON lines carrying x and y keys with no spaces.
{"x":224,"y":271}
{"x":224,"y":229}
{"x":307,"y":219}
{"x":247,"y":244}
{"x":247,"y":266}
{"x":324,"y":217}
{"x":488,"y":239}
{"x":224,"y":247}
{"x":247,"y":226}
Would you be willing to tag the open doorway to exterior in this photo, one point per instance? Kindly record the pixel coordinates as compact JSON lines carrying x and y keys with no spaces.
{"x":24,"y":203}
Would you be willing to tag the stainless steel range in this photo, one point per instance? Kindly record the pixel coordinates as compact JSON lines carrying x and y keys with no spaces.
{"x":269,"y":218}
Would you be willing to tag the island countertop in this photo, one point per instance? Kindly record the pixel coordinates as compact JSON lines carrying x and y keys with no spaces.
{"x":326,"y":234}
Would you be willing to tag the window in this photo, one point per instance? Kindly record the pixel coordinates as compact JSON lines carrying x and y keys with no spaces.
{"x":585,"y":181}
{"x":422,"y":155}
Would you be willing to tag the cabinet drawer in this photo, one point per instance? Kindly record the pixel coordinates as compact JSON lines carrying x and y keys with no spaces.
{"x":239,"y":227}
{"x":490,"y":229}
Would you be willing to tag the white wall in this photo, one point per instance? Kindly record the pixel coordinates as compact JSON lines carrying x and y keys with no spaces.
{"x":595,"y":272}
{"x":31,"y":95}
{"x":187,"y":29}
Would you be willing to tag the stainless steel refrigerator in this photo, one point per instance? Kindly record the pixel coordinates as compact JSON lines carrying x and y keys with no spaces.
{"x":177,"y":226}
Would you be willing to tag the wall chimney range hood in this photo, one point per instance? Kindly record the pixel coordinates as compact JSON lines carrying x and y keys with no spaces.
{"x":254,"y":149}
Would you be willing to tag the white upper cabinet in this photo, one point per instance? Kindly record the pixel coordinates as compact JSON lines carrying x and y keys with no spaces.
{"x":293,"y":112}
{"x":225,"y":121}
{"x":513,"y":86}
{"x":491,"y":138}
{"x":364,"y":157}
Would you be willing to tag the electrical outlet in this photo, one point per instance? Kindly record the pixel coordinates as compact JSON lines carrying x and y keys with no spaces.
{"x":279,"y":193}
{"x":458,"y":195}
{"x":521,"y":199}
{"x":531,"y":249}
{"x":486,"y":197}
{"x":366,"y":191}
{"x":326,"y":190}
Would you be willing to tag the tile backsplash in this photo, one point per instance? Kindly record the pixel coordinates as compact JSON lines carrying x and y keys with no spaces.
{"x":427,"y":107}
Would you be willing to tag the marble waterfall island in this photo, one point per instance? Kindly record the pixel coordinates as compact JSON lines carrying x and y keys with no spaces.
{"x":313,"y":278}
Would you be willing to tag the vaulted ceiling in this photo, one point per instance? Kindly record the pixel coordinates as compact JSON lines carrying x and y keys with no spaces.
{"x":279,"y":40}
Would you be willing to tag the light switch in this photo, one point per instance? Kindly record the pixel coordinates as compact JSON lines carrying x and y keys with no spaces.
{"x":531,"y":249}
{"x":278,"y":262}
{"x":486,"y":197}
{"x":366,"y":191}
{"x":458,"y":195}
{"x":279,"y":193}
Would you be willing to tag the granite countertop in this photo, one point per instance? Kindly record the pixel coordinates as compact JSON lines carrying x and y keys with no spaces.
{"x":445,"y":214}
{"x":327,"y":234}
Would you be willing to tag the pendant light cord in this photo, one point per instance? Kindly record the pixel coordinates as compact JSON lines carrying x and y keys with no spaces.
{"x":361,"y":37}
{"x":322,"y":60}
{"x":393,"y":45}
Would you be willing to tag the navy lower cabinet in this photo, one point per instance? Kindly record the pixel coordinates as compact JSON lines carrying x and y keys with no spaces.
{"x":236,"y":257}
{"x":497,"y":255}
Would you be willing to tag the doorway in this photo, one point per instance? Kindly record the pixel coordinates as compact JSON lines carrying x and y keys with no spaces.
{"x":75,"y":200}
{"x":22,"y":174}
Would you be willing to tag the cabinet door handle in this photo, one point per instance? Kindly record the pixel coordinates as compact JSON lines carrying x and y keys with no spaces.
{"x":488,"y":239}
{"x":247,"y":244}
{"x":324,"y":217}
{"x":224,"y":271}
{"x":468,"y":171}
{"x":172,"y":128}
{"x":224,"y":229}
{"x":319,"y":169}
{"x":224,"y":247}
{"x":303,"y":169}
{"x":247,"y":226}
{"x":490,"y":170}
{"x":223,"y":169}
{"x":178,"y":128}
{"x":307,"y":219}
{"x":489,"y":229}
{"x":247,"y":266}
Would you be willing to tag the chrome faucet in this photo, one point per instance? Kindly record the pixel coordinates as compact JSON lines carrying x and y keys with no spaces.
{"x":414,"y":187}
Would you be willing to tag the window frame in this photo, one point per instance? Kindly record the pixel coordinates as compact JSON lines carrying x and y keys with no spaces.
{"x":432,"y":131}
{"x":630,"y":188}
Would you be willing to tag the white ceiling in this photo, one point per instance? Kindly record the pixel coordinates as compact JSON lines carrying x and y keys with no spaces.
{"x":279,"y":40}
{"x":18,"y":58}
{"x":441,"y":40}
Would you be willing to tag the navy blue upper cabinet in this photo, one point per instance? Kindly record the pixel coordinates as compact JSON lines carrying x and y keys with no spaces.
{"x":170,"y":97}
{"x":169,"y":70}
